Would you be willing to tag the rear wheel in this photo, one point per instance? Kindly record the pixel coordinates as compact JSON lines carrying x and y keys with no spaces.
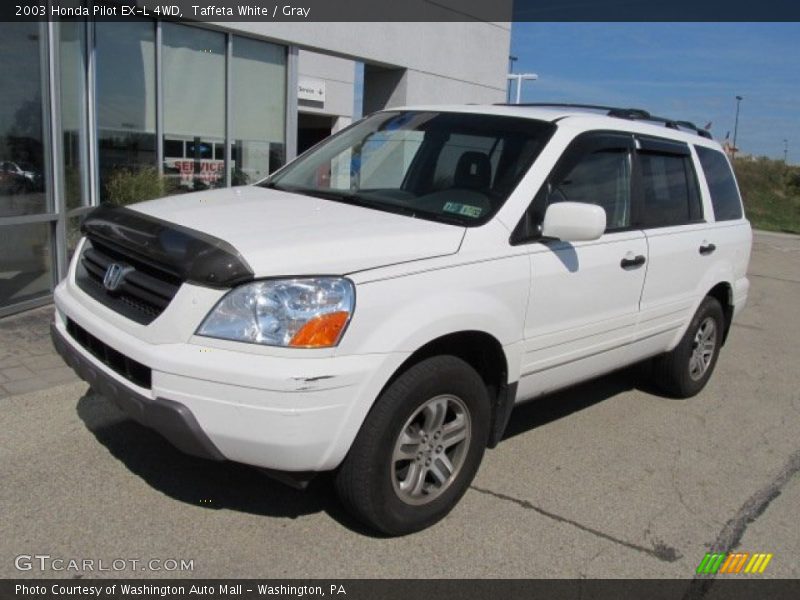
{"x":418,"y":449}
{"x":685,"y":370}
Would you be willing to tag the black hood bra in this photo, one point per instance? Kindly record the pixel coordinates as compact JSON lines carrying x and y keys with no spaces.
{"x":188,"y":254}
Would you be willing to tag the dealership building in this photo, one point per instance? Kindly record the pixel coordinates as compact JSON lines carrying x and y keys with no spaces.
{"x":96,"y":111}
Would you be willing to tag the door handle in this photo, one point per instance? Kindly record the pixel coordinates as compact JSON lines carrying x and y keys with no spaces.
{"x":632,"y":263}
{"x":707,"y":249}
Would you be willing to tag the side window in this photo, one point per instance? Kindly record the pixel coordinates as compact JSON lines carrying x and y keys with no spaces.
{"x":724,"y":195}
{"x":603,"y":178}
{"x":669,"y":190}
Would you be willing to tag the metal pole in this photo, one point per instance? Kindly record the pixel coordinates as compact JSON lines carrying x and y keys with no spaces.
{"x":736,"y":125}
{"x":511,"y":60}
{"x":785,"y":150}
{"x":520,"y":77}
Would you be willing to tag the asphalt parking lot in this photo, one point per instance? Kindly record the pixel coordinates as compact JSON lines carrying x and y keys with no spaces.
{"x":605,"y":480}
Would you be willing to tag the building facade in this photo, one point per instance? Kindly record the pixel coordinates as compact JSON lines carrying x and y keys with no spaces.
{"x":125,"y":110}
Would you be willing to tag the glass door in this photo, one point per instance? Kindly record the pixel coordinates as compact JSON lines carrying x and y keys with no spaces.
{"x":27,"y":215}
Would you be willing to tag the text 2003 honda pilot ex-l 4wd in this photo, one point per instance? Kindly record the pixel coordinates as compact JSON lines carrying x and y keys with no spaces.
{"x":378,"y":306}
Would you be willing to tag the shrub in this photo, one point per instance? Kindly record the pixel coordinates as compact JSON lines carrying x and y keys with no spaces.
{"x":771,"y":193}
{"x":128,"y":186}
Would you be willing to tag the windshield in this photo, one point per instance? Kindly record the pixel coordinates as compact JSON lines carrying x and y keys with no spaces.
{"x":450,"y":167}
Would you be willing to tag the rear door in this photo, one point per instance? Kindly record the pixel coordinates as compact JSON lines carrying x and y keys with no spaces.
{"x":680,"y":241}
{"x":584,"y":296}
{"x":731,"y":231}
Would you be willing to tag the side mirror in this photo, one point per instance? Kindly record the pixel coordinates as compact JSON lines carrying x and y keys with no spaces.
{"x":574,"y":222}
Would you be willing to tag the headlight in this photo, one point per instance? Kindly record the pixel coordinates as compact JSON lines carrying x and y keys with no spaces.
{"x":298,"y":313}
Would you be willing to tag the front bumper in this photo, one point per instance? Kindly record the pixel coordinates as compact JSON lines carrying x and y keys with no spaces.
{"x":169,"y":418}
{"x":289,"y":412}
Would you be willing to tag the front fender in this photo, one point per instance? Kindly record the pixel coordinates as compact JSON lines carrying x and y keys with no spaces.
{"x":404,"y":313}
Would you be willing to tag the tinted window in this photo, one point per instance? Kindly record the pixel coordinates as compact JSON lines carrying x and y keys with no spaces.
{"x":386,"y":157}
{"x":669,"y":190}
{"x":457,"y":145}
{"x":451,"y":167}
{"x":601,"y":178}
{"x":724,"y":195}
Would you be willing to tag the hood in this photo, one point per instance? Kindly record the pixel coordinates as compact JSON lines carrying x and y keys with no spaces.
{"x":280,"y":233}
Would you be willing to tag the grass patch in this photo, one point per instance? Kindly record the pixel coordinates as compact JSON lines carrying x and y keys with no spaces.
{"x":771,"y":193}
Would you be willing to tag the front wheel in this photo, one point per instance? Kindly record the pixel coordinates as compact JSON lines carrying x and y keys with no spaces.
{"x":685,"y":370}
{"x":418,"y":449}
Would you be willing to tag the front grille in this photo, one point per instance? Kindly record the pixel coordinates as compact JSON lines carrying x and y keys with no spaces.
{"x":145,"y":290}
{"x":119,"y":363}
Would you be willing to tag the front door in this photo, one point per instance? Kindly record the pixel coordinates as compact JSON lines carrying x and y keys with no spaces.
{"x":584,"y":298}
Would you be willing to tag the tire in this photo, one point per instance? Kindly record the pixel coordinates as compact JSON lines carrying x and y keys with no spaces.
{"x":398,"y":487}
{"x":678,"y":373}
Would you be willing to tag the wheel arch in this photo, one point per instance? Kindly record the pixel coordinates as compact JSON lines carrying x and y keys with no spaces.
{"x":723,"y":293}
{"x":484,"y":353}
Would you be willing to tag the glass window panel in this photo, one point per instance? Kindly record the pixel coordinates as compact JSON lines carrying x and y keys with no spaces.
{"x":26,"y":262}
{"x":72,"y":51}
{"x":665,"y":189}
{"x":126,"y":102}
{"x":721,"y":184}
{"x":258,"y":108}
{"x":194,"y":105}
{"x":452,"y":152}
{"x":22,"y":157}
{"x":601,"y":178}
{"x":385,"y":158}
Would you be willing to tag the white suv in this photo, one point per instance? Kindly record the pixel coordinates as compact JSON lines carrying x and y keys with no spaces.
{"x":379,"y":305}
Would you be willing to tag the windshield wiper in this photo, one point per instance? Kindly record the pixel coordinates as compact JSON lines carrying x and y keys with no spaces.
{"x":271,"y":185}
{"x":304,"y":191}
{"x":356,"y":199}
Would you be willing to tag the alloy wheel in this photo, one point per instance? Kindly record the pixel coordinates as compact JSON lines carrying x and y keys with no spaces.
{"x":431,"y":449}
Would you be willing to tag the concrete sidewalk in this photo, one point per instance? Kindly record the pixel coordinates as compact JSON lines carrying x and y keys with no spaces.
{"x":27,"y":359}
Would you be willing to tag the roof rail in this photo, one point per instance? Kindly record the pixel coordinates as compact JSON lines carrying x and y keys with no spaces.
{"x":632,"y":114}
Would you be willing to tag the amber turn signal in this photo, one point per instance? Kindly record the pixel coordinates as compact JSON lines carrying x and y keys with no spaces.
{"x":321,"y":332}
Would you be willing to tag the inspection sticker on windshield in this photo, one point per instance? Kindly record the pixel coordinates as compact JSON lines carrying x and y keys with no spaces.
{"x":463,"y":209}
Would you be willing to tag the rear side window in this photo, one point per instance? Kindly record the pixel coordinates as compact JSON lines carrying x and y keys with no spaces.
{"x":669,"y":190}
{"x":721,"y":184}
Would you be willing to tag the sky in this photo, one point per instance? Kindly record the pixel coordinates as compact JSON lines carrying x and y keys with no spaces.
{"x":685,"y":71}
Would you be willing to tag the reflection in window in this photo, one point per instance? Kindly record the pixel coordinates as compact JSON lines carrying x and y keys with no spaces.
{"x":72,"y":50}
{"x":26,"y":262}
{"x":22,"y":162}
{"x":126,"y":102}
{"x":601,"y":178}
{"x":194,"y":106}
{"x":385,"y":158}
{"x":669,"y":192}
{"x":258,"y":92}
{"x":721,"y":184}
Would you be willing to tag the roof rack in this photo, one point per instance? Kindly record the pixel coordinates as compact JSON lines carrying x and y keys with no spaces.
{"x":632,"y":114}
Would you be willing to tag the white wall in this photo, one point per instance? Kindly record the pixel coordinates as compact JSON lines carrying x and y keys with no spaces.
{"x":339,"y":77}
{"x":447,"y":62}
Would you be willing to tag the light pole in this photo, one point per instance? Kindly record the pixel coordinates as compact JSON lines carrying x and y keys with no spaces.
{"x":785,"y":149}
{"x":520,"y":77}
{"x":736,"y":125}
{"x":511,"y":60}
